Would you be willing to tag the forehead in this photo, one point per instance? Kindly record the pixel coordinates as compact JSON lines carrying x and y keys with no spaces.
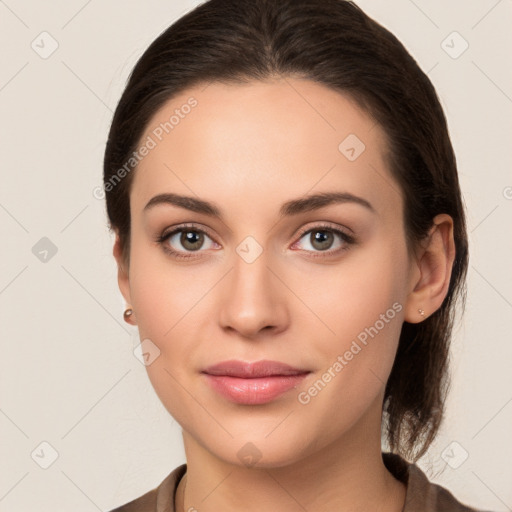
{"x":281,"y":137}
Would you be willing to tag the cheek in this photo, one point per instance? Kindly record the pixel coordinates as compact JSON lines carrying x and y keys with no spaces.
{"x":171,"y":305}
{"x":362,"y":313}
{"x":356,"y":293}
{"x":162,"y":291}
{"x":356,"y":366}
{"x":167,"y":302}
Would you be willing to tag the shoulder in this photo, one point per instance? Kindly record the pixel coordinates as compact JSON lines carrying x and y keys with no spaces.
{"x":435,"y":497}
{"x":159,"y":499}
{"x":422,"y":495}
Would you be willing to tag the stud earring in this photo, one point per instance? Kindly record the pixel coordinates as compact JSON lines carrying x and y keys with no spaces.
{"x":127,"y":315}
{"x":421,"y":312}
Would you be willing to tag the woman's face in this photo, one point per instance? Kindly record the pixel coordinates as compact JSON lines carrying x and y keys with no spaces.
{"x":265,"y":281}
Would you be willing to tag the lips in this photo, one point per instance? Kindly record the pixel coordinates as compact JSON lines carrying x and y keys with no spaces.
{"x":253,"y":383}
{"x":244,"y":370}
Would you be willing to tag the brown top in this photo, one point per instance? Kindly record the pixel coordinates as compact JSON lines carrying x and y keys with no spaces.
{"x":421,"y":495}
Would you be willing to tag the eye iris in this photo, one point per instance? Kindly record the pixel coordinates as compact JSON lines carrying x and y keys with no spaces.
{"x":321,"y":239}
{"x":191,"y":237}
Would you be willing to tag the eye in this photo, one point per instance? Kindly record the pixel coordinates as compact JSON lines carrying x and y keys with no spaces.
{"x":192,"y":239}
{"x":321,"y":239}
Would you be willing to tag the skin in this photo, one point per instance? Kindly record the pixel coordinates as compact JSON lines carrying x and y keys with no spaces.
{"x":249,"y":148}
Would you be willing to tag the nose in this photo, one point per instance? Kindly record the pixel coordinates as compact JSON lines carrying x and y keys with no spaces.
{"x":254,"y":298}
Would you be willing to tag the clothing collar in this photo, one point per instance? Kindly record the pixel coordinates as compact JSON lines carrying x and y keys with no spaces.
{"x":421,"y":494}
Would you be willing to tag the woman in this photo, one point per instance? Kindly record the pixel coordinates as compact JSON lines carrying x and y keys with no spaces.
{"x":291,"y":243}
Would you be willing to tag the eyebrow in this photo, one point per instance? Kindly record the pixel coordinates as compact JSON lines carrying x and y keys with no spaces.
{"x":292,"y":207}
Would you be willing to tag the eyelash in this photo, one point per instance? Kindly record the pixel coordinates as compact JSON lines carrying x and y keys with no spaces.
{"x":163,"y":238}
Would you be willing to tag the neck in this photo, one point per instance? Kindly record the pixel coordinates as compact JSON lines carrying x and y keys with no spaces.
{"x":346,"y":475}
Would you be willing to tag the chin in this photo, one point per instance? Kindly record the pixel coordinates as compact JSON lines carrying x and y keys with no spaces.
{"x":257,"y":449}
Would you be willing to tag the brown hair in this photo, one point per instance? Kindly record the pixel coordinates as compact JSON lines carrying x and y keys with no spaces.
{"x":334,"y":43}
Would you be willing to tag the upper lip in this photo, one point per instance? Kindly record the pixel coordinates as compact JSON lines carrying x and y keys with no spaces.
{"x":248,"y":370}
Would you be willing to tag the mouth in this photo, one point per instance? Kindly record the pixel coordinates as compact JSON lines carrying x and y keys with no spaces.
{"x":253,"y":383}
{"x":257,"y":369}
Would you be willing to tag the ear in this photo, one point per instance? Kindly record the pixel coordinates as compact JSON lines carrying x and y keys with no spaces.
{"x":123,"y":278}
{"x":432,"y":270}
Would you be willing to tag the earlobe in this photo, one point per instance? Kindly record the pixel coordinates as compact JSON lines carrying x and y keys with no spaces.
{"x":435,"y":263}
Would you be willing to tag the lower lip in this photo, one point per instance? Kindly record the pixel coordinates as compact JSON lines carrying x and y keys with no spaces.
{"x":253,"y":391}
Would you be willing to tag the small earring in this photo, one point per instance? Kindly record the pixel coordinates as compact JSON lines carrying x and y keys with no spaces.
{"x":421,"y":312}
{"x":127,"y":315}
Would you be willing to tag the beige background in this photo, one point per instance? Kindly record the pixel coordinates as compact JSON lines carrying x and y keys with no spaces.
{"x":68,"y":376}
